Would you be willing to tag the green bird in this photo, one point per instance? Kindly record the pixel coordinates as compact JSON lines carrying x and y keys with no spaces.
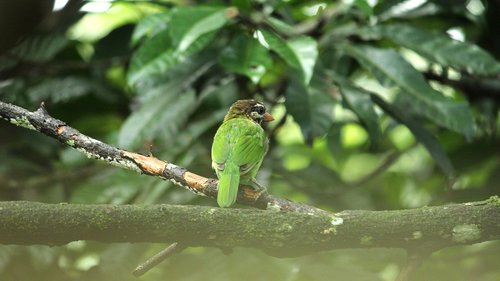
{"x":238,"y":149}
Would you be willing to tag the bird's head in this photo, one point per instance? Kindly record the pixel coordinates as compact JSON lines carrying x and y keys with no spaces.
{"x":251,"y":109}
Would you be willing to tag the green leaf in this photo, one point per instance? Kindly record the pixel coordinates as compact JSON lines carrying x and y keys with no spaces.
{"x":112,"y":187}
{"x":359,"y":101}
{"x":422,"y":135}
{"x":163,"y":114}
{"x":14,"y":91}
{"x":195,"y":129}
{"x":201,"y":121}
{"x":310,"y":108}
{"x":440,"y":49}
{"x":300,"y":52}
{"x":280,"y":26}
{"x":94,"y":26}
{"x":246,"y":56}
{"x":153,"y":57}
{"x":72,"y":86}
{"x":364,"y":6}
{"x":40,"y":48}
{"x":7,"y":62}
{"x":306,"y":50}
{"x":160,"y":54}
{"x":392,"y":70}
{"x":297,"y":104}
{"x":321,"y":111}
{"x":150,"y":26}
{"x":242,"y":5}
{"x":410,"y":9}
{"x":190,"y":23}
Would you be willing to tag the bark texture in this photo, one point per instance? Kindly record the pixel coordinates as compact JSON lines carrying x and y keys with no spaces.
{"x":278,"y":233}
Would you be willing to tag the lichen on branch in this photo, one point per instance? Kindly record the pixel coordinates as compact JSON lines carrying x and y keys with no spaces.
{"x":278,"y":233}
{"x":41,"y":121}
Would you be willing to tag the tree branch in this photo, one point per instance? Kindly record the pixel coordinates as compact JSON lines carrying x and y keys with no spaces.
{"x":41,"y":121}
{"x":277,"y":233}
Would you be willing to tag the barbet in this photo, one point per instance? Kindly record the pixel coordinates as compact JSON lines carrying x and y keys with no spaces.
{"x":238,"y":149}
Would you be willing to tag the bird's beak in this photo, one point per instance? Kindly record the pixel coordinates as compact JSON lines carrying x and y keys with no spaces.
{"x":268,"y":117}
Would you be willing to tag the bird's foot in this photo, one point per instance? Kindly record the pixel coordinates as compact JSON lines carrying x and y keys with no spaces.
{"x":258,"y":187}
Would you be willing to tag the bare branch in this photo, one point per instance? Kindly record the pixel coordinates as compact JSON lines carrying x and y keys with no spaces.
{"x":157,"y":259}
{"x":41,"y":121}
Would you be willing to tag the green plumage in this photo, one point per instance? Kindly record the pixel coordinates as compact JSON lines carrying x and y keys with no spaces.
{"x":237,"y":152}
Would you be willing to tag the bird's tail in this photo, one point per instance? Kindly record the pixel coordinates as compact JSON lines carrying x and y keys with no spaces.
{"x":229,"y":180}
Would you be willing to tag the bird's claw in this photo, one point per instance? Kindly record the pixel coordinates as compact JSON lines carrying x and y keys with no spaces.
{"x":258,"y":187}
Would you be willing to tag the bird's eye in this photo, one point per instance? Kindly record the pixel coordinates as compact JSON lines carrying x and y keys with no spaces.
{"x":259,"y":109}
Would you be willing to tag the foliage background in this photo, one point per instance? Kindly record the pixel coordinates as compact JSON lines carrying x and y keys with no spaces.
{"x":379,"y":105}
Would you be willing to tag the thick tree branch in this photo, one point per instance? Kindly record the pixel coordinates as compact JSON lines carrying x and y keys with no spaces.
{"x":277,"y":233}
{"x":41,"y":121}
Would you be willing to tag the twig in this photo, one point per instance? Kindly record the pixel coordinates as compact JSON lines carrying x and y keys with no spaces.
{"x":41,"y":121}
{"x":157,"y":259}
{"x":413,"y":262}
{"x":386,"y":163}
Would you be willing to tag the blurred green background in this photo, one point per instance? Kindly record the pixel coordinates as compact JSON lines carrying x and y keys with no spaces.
{"x":378,"y":105}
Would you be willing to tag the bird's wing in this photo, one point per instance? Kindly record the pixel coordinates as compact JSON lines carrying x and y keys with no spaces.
{"x":241,"y":140}
{"x":221,"y":146}
{"x":249,"y":148}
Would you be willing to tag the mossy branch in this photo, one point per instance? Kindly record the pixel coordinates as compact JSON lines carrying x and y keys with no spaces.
{"x":277,"y":233}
